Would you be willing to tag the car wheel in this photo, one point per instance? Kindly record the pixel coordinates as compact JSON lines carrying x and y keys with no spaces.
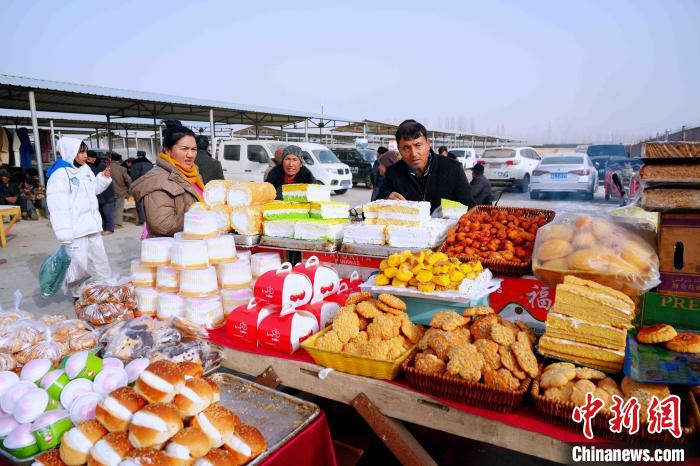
{"x":534,"y":195}
{"x":341,"y":191}
{"x":525,"y":184}
{"x":589,"y":196}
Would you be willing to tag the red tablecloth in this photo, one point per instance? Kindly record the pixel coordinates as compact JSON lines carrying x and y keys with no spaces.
{"x":312,"y":447}
{"x":524,"y":418}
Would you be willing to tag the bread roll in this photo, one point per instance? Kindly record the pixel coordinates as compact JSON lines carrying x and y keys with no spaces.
{"x":110,"y":450}
{"x":602,"y":229}
{"x":154,"y":425}
{"x":555,"y":231}
{"x":217,"y":458}
{"x":49,"y":458}
{"x":187,"y":445}
{"x":160,"y":382}
{"x":194,"y":397}
{"x":191,"y":369}
{"x":556,"y":264}
{"x":117,"y":409}
{"x":217,"y":423}
{"x":598,"y":259}
{"x":554,"y":249}
{"x":77,"y":442}
{"x":245,"y":444}
{"x":585,"y":239}
{"x":146,"y":457}
{"x":583,"y":222}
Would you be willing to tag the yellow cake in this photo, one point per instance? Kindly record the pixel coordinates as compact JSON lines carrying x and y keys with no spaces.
{"x":592,"y":302}
{"x":571,"y":328}
{"x":582,"y":353}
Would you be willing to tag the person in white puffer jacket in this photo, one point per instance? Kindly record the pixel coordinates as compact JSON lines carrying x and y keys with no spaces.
{"x":71,"y":195}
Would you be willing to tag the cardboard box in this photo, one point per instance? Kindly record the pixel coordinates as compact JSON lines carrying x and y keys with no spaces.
{"x":525,"y":299}
{"x":679,"y":254}
{"x":677,"y":311}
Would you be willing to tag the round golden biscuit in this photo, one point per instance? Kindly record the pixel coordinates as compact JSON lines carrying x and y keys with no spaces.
{"x":656,"y":334}
{"x":585,"y":239}
{"x":684,"y":342}
{"x":393,"y":301}
{"x":554,"y":249}
{"x":583,"y":222}
{"x":556,"y":231}
{"x":557,"y":377}
{"x":602,"y":229}
{"x":578,"y":395}
{"x":559,"y":365}
{"x":588,"y":373}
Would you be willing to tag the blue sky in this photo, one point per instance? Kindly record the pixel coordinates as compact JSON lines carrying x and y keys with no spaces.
{"x":553,"y":71}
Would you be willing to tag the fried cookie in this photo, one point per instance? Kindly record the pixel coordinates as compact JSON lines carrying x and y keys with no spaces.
{"x":557,"y":377}
{"x":501,"y":379}
{"x":393,"y":301}
{"x":684,"y":342}
{"x":656,"y":334}
{"x":363,"y":322}
{"x":509,"y":362}
{"x":329,"y":341}
{"x":346,"y":324}
{"x":447,"y":320}
{"x":388,"y":309}
{"x":466,"y":362}
{"x":581,"y":387}
{"x":508,"y":324}
{"x":610,"y":386}
{"x":412,"y":331}
{"x":502,"y":334}
{"x":605,"y":396}
{"x":559,"y":365}
{"x":526,"y":358}
{"x":588,"y":373}
{"x":481,"y":326}
{"x":526,"y":328}
{"x":358,"y":297}
{"x":523,"y":337}
{"x":478,"y":311}
{"x":429,"y":363}
{"x":384,"y":327}
{"x":562,"y":393}
{"x":367,"y":309}
{"x":489,"y":350}
{"x":424,"y":342}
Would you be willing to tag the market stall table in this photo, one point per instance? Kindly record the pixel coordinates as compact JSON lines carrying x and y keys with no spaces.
{"x":14,"y":213}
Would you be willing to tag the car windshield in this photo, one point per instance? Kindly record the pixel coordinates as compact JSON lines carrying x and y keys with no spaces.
{"x":617,"y":163}
{"x":606,"y":149}
{"x":498,"y":154}
{"x":562,"y":161}
{"x":325,"y":156}
{"x":369,"y":155}
{"x":457,"y":152}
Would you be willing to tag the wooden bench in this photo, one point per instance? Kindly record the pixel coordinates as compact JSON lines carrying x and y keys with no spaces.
{"x":14,"y":213}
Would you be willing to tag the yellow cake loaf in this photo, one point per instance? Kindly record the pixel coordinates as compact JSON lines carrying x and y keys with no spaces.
{"x":571,"y":328}
{"x":582,"y":353}
{"x":592,"y":302}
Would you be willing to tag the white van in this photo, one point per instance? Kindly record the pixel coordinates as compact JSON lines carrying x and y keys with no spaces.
{"x":465,"y":155}
{"x":244,"y":160}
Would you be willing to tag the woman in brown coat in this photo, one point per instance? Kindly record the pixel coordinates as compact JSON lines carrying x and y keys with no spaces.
{"x":168,"y":190}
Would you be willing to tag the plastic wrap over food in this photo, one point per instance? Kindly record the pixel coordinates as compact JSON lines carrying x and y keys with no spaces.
{"x":614,"y":253}
{"x":21,"y":334}
{"x":137,"y":338}
{"x":44,"y":349}
{"x":101,"y":314}
{"x":100,"y":294}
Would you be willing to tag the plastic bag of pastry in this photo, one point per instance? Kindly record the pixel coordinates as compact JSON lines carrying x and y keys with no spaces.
{"x":189,"y":329}
{"x":7,"y":362}
{"x":53,"y":318}
{"x":137,"y":338}
{"x":99,"y":293}
{"x":105,"y":313}
{"x":16,"y":313}
{"x":64,"y":331}
{"x":83,"y":340}
{"x":614,"y":253}
{"x":194,"y":350}
{"x":20,"y":334}
{"x":45,"y":349}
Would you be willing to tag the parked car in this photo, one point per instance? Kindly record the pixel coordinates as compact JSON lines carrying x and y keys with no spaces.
{"x":622,"y":172}
{"x":599,"y":163}
{"x":564,"y":173}
{"x":360,"y":166}
{"x":611,"y":150}
{"x":244,"y":160}
{"x":465,"y":155}
{"x":510,"y":166}
{"x":101,"y":154}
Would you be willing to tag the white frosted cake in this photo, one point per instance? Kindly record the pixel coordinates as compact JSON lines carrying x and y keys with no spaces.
{"x":198,"y":207}
{"x":243,"y":255}
{"x":142,"y":275}
{"x":146,"y":300}
{"x":361,"y":233}
{"x":279,"y":228}
{"x":329,"y":210}
{"x":319,"y":230}
{"x":167,"y":279}
{"x":189,"y":254}
{"x":426,"y":235}
{"x":221,"y":249}
{"x":261,"y":262}
{"x":453,"y":209}
{"x":388,"y":212}
{"x":215,"y":192}
{"x":156,"y":251}
{"x":234,"y":275}
{"x":250,"y":192}
{"x":195,"y":283}
{"x":247,"y":220}
{"x":207,"y":312}
{"x":223,"y":218}
{"x":231,"y":299}
{"x":299,"y":192}
{"x":200,"y":224}
{"x":170,"y":305}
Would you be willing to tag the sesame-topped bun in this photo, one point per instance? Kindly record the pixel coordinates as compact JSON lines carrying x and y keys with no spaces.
{"x":217,"y":423}
{"x":146,"y":457}
{"x":215,"y":390}
{"x":49,"y":458}
{"x":110,"y":450}
{"x":194,"y":397}
{"x":160,"y":382}
{"x":154,"y":425}
{"x":245,"y":444}
{"x":187,"y":445}
{"x":77,"y":442}
{"x":116,"y":410}
{"x":191,"y":369}
{"x":217,"y":458}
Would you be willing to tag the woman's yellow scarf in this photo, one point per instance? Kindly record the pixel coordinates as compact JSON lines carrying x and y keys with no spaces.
{"x":191,"y":175}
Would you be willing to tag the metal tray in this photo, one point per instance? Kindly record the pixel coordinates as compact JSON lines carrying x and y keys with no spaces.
{"x":376,"y":250}
{"x":278,"y":416}
{"x":298,"y":244}
{"x":246,"y":240}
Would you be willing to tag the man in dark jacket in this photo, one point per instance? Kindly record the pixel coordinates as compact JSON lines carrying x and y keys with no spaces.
{"x":209,"y":169}
{"x":421,"y":175}
{"x":140,"y":167}
{"x":480,"y":186}
{"x":106,"y":199}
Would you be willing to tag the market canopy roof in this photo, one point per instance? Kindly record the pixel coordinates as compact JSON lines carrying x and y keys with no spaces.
{"x":382,"y":128}
{"x":90,"y":123}
{"x":56,"y":96}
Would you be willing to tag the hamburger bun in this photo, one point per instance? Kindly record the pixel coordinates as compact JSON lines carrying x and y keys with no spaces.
{"x":217,"y":423}
{"x":110,"y":449}
{"x":160,"y":382}
{"x":154,"y":425}
{"x":187,"y":445}
{"x":245,"y":444}
{"x":194,"y":397}
{"x":117,"y":409}
{"x":77,"y":442}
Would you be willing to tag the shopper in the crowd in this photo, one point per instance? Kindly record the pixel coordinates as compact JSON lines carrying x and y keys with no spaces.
{"x":128,"y":163}
{"x":32,"y":194}
{"x":480,"y":186}
{"x":375,"y":165}
{"x":384,"y":161}
{"x":121,"y":182}
{"x":140,"y":167}
{"x":209,"y":168}
{"x":106,"y":200}
{"x":71,"y":194}
{"x":274,"y":161}
{"x":421,"y":175}
{"x":168,"y":191}
{"x":289,"y":171}
{"x":443,"y":151}
{"x":10,"y":194}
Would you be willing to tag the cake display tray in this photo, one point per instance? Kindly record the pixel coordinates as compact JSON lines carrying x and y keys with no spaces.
{"x":246,"y":240}
{"x":298,"y":244}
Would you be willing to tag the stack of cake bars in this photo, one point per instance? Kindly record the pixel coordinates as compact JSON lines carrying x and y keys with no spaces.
{"x":306,"y":213}
{"x":588,"y":325}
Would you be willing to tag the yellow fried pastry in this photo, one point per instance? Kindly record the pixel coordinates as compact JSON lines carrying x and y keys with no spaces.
{"x":429,"y":363}
{"x":447,"y":320}
{"x":384,"y":327}
{"x":466,"y":362}
{"x":346,"y":325}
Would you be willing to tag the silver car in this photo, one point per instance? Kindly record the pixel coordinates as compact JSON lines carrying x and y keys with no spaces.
{"x":564,"y":173}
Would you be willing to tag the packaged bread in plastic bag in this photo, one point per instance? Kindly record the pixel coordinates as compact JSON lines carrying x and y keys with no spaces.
{"x":617,"y":254}
{"x":138,"y":338}
{"x":101,"y":314}
{"x":101,"y":293}
{"x":20,"y":334}
{"x":44,"y":349}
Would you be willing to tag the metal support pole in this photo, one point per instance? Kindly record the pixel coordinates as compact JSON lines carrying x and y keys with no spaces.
{"x":35,"y":130}
{"x":136,"y":139}
{"x":212,"y":130}
{"x":53,"y":140}
{"x":97,"y":137}
{"x":155,"y":136}
{"x":109,"y":135}
{"x":153,"y":151}
{"x":306,"y":130}
{"x":126,"y":142}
